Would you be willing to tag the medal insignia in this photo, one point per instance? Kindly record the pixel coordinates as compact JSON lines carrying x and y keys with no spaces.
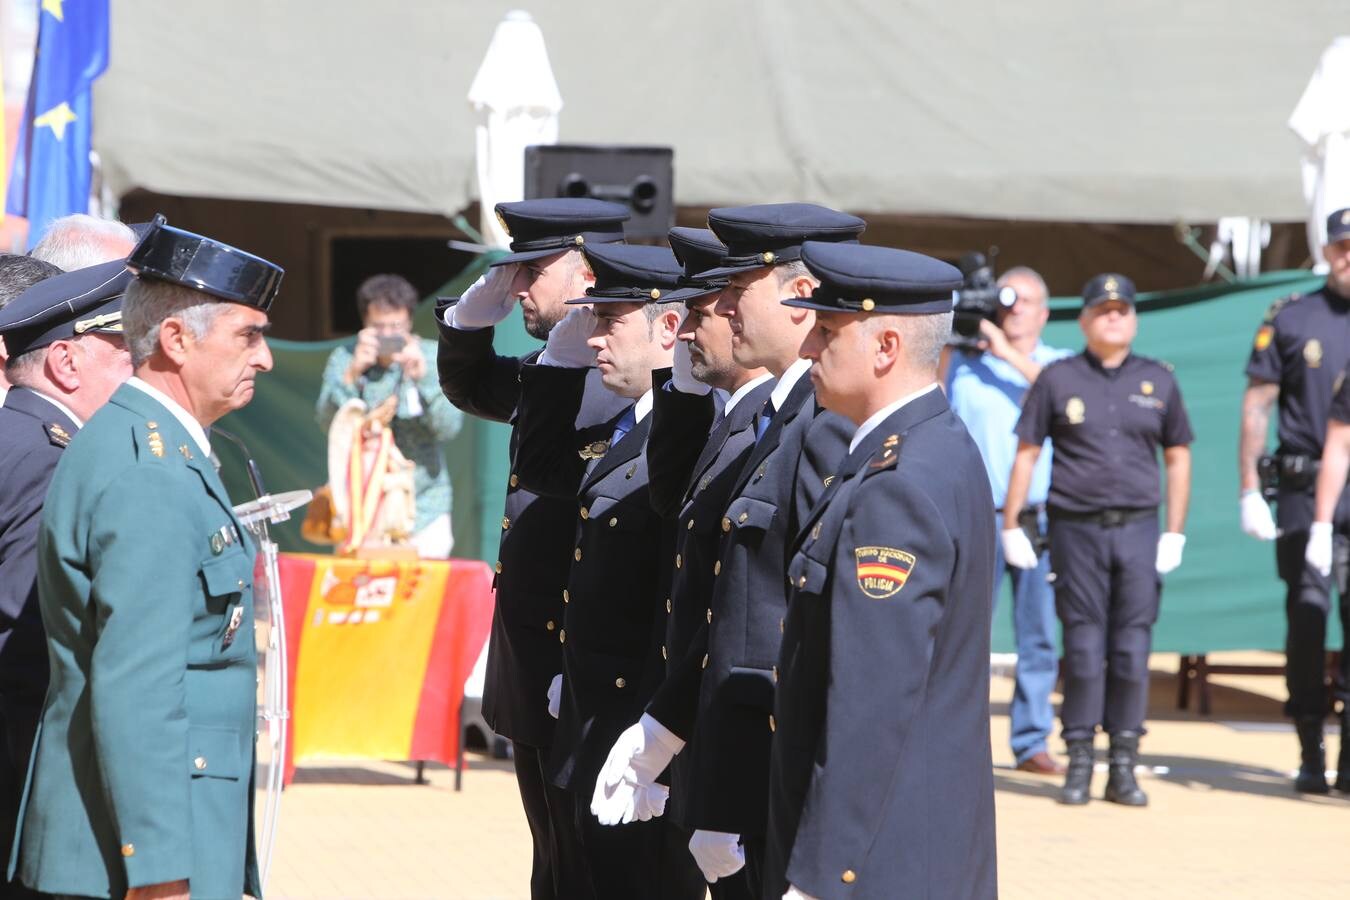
{"x":1264,"y":335}
{"x":828,"y":479}
{"x":594,"y":450}
{"x":236,"y":618}
{"x":1146,"y":388}
{"x":59,"y":436}
{"x":1075,"y":410}
{"x":1312,"y":353}
{"x":882,"y":571}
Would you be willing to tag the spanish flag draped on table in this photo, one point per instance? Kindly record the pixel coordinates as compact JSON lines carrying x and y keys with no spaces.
{"x":379,"y":652}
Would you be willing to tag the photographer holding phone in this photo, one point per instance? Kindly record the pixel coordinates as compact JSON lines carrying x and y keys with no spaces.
{"x":388,"y":365}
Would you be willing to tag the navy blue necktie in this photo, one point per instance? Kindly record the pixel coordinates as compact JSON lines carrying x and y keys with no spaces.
{"x":624,"y":425}
{"x":765,"y":417}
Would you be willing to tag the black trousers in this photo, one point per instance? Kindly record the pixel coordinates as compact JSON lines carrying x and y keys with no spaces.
{"x":1106,"y":594}
{"x":20,"y":710}
{"x":1307,"y":605}
{"x":559,"y":869}
{"x":638,"y":861}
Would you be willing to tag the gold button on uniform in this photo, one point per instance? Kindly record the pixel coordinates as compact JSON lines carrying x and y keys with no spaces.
{"x":780,"y":626}
{"x":663,"y":652}
{"x":498,"y":567}
{"x":576,"y":554}
{"x":775,"y":674}
{"x":726,"y":524}
{"x":567,"y":598}
{"x":585,"y":513}
{"x":679,"y":560}
{"x":868,"y":304}
{"x":849,"y":876}
{"x":620,"y":682}
{"x":742,"y":517}
{"x":801,"y":582}
{"x":717,"y":567}
{"x":690,"y":526}
{"x":550,"y":625}
{"x":514,"y":481}
{"x":705,"y":660}
{"x":199,"y":763}
{"x":710,"y":617}
{"x":562,"y":635}
{"x":773,"y":726}
{"x":506,"y":523}
{"x":128,"y":849}
{"x":614,"y":520}
{"x":668,"y":605}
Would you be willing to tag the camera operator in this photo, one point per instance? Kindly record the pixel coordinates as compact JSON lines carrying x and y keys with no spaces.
{"x":985,"y":384}
{"x":388,"y":364}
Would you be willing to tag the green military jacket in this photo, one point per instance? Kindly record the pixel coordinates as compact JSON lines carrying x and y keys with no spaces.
{"x":142,"y":769}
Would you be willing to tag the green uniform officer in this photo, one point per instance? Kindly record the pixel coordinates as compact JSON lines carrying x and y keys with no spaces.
{"x":142,"y":776}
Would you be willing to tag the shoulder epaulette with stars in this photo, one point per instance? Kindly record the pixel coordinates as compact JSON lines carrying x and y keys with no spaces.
{"x":58,"y":435}
{"x":1280,"y":304}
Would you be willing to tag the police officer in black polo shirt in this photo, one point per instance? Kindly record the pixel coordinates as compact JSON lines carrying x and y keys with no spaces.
{"x":1107,"y":411}
{"x":1299,"y":357}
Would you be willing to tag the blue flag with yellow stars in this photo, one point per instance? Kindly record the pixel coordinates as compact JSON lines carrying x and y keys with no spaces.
{"x":51,"y":172}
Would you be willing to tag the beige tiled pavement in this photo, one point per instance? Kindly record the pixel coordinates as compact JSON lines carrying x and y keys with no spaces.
{"x":1223,"y":821}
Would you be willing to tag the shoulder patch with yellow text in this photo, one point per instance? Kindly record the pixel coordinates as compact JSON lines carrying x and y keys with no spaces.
{"x":1264,"y":335}
{"x":882,"y":571}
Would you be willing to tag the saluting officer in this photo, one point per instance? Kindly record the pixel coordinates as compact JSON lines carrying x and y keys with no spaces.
{"x":882,"y":781}
{"x":142,"y":778}
{"x":66,"y":336}
{"x":617,"y":583}
{"x":1299,"y":356}
{"x":543,"y":270}
{"x":1107,"y":411}
{"x":690,"y":480}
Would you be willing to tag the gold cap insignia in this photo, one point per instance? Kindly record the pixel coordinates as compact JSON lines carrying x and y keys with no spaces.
{"x":1111,"y":285}
{"x":501,"y":220}
{"x":59,"y":436}
{"x":768,"y":258}
{"x":868,"y":304}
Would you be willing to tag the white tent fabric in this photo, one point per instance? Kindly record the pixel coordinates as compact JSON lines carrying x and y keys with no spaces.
{"x":1322,"y":121}
{"x":517,"y":102}
{"x":1043,"y":109}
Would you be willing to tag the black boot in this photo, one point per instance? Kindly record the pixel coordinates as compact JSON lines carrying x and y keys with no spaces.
{"x":1120,"y":784}
{"x":1079,"y":777}
{"x":1312,"y":772}
{"x":1343,"y":763}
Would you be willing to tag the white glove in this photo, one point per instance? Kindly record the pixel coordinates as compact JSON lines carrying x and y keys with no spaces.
{"x":717,"y":853}
{"x":794,"y":894}
{"x":682,"y":375}
{"x":566,"y":347}
{"x":1169,"y":551}
{"x":1256,"y":519}
{"x":1318,"y":554}
{"x":487,"y":301}
{"x":1017,"y":549}
{"x":638,"y":756}
{"x":555,"y":695}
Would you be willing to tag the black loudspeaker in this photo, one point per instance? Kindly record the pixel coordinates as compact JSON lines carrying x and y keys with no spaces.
{"x":641,"y":178}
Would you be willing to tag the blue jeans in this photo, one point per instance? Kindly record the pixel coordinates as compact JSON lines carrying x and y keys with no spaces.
{"x":1034,"y":625}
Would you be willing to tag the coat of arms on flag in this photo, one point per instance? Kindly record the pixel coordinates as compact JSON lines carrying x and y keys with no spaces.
{"x":882,"y":571}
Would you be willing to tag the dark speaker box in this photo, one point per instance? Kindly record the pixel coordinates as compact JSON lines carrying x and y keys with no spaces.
{"x":641,"y":178}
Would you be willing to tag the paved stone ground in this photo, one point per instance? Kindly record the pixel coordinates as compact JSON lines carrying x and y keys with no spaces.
{"x":1223,"y":820}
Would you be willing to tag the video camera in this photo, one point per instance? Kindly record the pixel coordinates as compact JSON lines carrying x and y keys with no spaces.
{"x":978,"y":298}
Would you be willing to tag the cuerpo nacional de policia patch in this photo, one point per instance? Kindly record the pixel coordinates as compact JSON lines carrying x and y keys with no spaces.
{"x":882,"y":571}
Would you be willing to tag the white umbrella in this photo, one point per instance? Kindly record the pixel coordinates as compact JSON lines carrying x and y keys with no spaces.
{"x":1322,"y":121}
{"x":517,"y":101}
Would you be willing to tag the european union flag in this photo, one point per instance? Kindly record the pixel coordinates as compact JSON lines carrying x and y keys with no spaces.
{"x":51,"y":171}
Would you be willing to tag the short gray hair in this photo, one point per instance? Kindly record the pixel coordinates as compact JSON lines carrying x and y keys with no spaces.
{"x":1029,"y":274}
{"x":795,"y":268}
{"x":78,"y":241}
{"x":924,"y":336}
{"x":148,"y":303}
{"x":19,"y":273}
